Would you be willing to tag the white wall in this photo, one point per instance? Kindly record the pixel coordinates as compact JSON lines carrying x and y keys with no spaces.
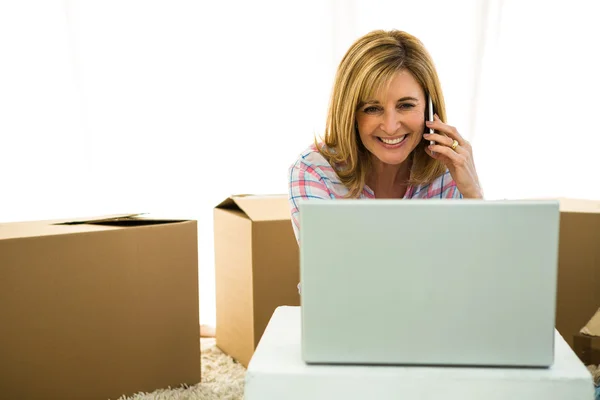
{"x":170,"y":106}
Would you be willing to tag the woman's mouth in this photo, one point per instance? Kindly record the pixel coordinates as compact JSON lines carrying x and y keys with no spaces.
{"x":392,"y":143}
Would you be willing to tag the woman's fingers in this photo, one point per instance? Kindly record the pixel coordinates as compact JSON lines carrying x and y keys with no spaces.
{"x":459,"y":160}
{"x":451,"y":131}
{"x":440,"y":139}
{"x":444,"y":141}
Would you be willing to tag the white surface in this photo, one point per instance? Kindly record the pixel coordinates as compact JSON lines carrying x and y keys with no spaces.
{"x":463,"y":282}
{"x":277,"y":372}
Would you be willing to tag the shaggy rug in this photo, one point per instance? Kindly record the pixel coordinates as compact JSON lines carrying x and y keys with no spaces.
{"x":222,"y":378}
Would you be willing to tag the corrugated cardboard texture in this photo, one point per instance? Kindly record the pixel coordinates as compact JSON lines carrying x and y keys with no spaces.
{"x":578,"y":293}
{"x":256,"y":269}
{"x":97,"y":311}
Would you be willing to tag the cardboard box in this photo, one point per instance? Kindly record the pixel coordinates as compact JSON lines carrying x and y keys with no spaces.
{"x":98,"y":308}
{"x":256,"y":269}
{"x":578,"y":293}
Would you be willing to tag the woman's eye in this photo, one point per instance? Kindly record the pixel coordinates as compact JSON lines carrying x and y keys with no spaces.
{"x":371,"y":110}
{"x":406,"y":106}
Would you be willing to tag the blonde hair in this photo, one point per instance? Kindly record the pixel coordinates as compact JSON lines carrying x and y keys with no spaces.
{"x":368,"y":66}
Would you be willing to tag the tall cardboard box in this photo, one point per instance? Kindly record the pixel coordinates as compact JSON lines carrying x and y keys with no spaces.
{"x":256,"y":269}
{"x":97,"y":308}
{"x":578,"y":293}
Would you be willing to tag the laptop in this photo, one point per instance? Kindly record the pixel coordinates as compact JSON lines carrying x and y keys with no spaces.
{"x":429,"y":282}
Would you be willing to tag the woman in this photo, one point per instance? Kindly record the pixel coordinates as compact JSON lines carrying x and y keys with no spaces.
{"x":375,"y":145}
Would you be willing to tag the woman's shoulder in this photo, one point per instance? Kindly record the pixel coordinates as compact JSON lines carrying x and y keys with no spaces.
{"x":312,"y":160}
{"x":443,"y":186}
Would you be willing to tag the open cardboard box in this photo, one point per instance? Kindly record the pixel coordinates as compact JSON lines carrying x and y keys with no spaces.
{"x":578,"y":291}
{"x":256,"y":269}
{"x":96,"y":308}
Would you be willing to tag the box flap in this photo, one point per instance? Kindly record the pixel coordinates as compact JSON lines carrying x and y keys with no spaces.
{"x":21,"y":230}
{"x":259,"y":207}
{"x":123,"y":220}
{"x":14,"y":230}
{"x":570,"y":205}
{"x":579,"y":205}
{"x":78,"y":221}
{"x":592,"y":328}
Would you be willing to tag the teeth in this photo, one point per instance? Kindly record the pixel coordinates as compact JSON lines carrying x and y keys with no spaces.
{"x":393,"y":141}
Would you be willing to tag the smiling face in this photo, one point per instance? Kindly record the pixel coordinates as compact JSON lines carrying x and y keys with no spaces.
{"x":392,"y":124}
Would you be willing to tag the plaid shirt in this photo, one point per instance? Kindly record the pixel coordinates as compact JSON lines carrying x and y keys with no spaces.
{"x":312,"y":177}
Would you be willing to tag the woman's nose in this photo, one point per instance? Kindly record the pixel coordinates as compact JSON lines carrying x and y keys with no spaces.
{"x":390,"y":123}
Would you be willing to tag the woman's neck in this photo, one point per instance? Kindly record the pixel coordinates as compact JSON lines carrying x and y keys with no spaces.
{"x":389,"y":181}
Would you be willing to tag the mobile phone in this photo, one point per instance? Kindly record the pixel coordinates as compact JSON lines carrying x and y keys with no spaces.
{"x":430,"y":115}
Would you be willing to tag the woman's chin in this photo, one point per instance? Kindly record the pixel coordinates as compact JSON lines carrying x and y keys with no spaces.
{"x":391,"y":159}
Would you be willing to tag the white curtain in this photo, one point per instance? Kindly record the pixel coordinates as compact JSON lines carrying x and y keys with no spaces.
{"x":535,"y":133}
{"x":170,"y":106}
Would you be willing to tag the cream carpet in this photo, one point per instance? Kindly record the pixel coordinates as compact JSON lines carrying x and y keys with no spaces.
{"x":222,"y":378}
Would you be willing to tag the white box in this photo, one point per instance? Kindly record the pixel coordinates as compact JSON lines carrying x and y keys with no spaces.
{"x":276,"y":371}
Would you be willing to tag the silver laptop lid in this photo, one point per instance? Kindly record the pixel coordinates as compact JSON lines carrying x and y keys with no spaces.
{"x":434,"y":279}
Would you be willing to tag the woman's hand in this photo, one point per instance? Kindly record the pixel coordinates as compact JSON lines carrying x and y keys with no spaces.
{"x":456,"y":153}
